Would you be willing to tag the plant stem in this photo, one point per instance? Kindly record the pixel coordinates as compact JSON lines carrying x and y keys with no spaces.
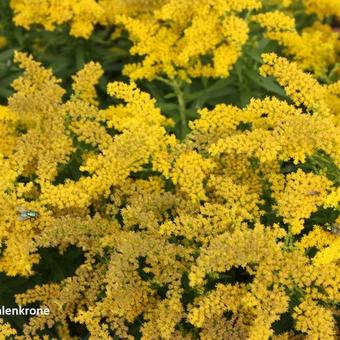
{"x":289,"y":240}
{"x":181,"y":106}
{"x":176,"y":86}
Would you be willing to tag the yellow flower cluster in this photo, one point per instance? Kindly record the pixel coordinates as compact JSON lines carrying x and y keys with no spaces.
{"x":184,"y":40}
{"x":6,"y":330}
{"x":314,"y":320}
{"x":8,"y":122}
{"x":260,"y":303}
{"x":200,"y":39}
{"x":326,"y":241}
{"x":275,"y":21}
{"x":47,"y":144}
{"x":303,"y":89}
{"x":279,"y":137}
{"x":314,"y":49}
{"x":82,"y":15}
{"x":330,"y":254}
{"x":323,"y":8}
{"x":212,"y":236}
{"x":214,"y":33}
{"x":189,"y":172}
{"x":299,"y":196}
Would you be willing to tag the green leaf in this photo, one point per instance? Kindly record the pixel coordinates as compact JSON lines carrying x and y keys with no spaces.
{"x":219,"y":88}
{"x":5,"y":92}
{"x":268,"y":84}
{"x":80,"y":57}
{"x":166,"y":107}
{"x":6,"y":55}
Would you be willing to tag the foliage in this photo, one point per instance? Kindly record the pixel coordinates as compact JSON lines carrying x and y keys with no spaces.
{"x":182,"y":177}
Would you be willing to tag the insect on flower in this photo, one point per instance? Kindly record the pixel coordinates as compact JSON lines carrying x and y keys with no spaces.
{"x":313,"y":193}
{"x":27,"y":214}
{"x":333,"y":228}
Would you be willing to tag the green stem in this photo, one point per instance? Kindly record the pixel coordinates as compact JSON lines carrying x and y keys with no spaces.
{"x":163,"y":80}
{"x":289,"y":240}
{"x":182,"y":109}
{"x":176,"y":86}
{"x":334,"y":69}
{"x":247,"y":17}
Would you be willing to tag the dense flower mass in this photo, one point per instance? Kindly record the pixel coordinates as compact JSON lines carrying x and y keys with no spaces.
{"x":82,"y":15}
{"x":197,"y":41}
{"x":218,"y":219}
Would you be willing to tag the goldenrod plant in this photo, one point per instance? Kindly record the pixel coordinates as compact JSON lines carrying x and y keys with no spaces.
{"x":183,"y":186}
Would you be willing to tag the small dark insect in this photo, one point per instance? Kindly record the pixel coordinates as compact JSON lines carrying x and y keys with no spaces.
{"x":313,"y":193}
{"x":333,"y":228}
{"x":27,"y":214}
